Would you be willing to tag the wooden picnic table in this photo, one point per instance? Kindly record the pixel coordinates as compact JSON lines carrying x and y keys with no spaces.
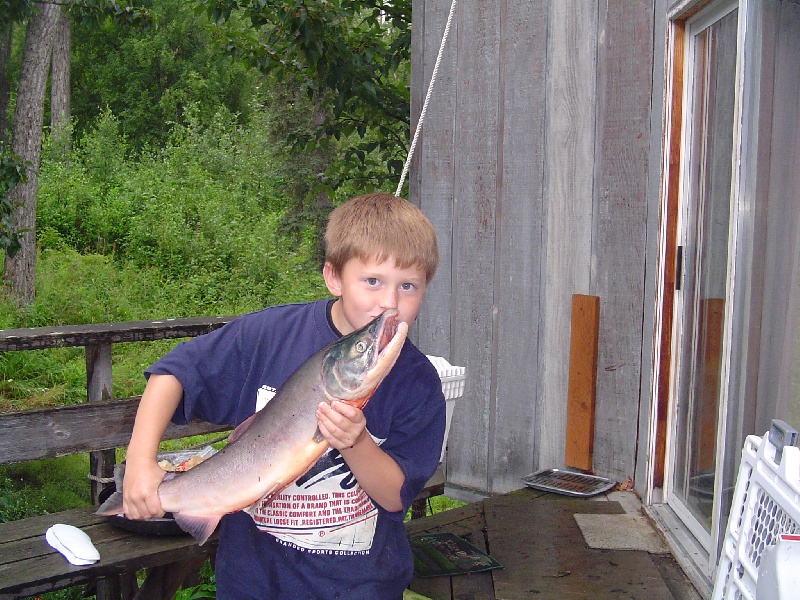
{"x":28,"y":565}
{"x":535,"y":537}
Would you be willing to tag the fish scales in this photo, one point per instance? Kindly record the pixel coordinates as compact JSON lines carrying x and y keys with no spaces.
{"x":240,"y":472}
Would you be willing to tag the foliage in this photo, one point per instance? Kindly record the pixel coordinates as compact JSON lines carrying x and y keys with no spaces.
{"x":14,"y":10}
{"x":206,"y":589}
{"x":95,"y":11}
{"x":12,"y":173}
{"x":189,"y":230}
{"x":202,"y":210}
{"x":350,"y":58}
{"x":150,"y":75}
{"x":333,"y":79}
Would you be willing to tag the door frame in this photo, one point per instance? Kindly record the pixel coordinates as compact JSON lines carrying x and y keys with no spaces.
{"x":752,"y":117}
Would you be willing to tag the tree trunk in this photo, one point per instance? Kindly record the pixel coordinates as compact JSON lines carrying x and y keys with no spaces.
{"x":27,"y":144}
{"x":5,"y":88}
{"x":59,"y":84}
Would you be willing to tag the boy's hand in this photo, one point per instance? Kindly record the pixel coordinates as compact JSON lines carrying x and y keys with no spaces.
{"x":342,"y":425}
{"x":140,"y":490}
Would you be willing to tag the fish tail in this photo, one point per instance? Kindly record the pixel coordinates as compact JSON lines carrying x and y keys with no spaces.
{"x":112,"y":506}
{"x":199,"y":527}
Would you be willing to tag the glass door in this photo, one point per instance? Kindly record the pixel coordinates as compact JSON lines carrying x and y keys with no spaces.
{"x":703,"y":259}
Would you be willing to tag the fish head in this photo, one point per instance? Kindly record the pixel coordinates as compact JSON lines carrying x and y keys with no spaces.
{"x":356,"y":364}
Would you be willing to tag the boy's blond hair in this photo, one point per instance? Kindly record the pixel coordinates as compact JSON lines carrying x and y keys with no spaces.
{"x":381,"y":226}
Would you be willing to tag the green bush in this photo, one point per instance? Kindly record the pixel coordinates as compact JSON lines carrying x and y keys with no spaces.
{"x":192,"y":229}
{"x":203,"y":211}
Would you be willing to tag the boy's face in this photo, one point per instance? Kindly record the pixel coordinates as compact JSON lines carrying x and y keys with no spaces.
{"x":366,"y":289}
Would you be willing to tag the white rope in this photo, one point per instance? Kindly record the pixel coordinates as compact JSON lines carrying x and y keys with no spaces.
{"x":427,"y":98}
{"x":99,"y":479}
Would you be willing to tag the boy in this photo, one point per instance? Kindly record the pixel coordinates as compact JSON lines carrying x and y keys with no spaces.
{"x":338,"y":531}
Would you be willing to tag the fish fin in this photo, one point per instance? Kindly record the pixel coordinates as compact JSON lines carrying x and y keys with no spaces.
{"x":241,"y":428}
{"x":198,"y":526}
{"x":318,"y":437}
{"x":112,"y":506}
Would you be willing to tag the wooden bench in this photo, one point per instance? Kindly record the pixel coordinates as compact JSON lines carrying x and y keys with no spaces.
{"x":28,"y":565}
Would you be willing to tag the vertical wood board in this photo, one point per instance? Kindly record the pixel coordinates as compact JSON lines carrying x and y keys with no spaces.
{"x":784,"y":262}
{"x":621,"y":170}
{"x":776,"y":394}
{"x":568,"y":181}
{"x":432,"y":174}
{"x":474,"y":236}
{"x":523,"y":62}
{"x":582,"y":386}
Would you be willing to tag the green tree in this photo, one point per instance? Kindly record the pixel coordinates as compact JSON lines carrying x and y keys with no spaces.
{"x":351,"y":59}
{"x":343,"y":68}
{"x":26,"y":143}
{"x":150,"y":75}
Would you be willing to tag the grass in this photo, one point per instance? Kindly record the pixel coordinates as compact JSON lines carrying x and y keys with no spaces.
{"x":43,"y":486}
{"x":437,"y":504}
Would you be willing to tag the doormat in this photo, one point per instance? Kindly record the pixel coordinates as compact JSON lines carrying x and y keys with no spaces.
{"x":445,"y":554}
{"x":621,"y":532}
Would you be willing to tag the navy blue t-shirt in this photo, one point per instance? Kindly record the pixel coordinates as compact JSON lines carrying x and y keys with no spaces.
{"x":322,"y":537}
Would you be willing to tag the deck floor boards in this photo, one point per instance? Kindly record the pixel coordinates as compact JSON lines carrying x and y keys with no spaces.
{"x":535,"y":536}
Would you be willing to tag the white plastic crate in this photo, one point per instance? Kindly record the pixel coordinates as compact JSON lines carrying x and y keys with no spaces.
{"x":766,"y":504}
{"x":453,"y":380}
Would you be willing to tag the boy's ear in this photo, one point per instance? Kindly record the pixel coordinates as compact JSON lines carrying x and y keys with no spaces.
{"x":332,"y":280}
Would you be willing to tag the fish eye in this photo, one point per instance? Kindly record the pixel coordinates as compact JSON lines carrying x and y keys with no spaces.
{"x":361,"y":347}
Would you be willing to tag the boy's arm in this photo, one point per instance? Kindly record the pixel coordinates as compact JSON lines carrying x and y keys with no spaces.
{"x":344,"y":427}
{"x":160,"y":399}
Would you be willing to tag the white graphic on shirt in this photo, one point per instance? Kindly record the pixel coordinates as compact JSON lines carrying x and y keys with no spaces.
{"x":264,"y":395}
{"x":325,"y":511}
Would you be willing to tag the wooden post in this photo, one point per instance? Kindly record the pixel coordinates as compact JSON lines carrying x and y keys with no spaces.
{"x":582,"y":386}
{"x":98,"y":389}
{"x":101,"y":462}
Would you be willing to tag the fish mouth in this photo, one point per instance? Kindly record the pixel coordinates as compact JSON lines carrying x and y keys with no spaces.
{"x":387,"y":324}
{"x":390,"y":334}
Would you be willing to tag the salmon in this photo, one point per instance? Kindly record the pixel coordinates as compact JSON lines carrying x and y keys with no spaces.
{"x":281,"y":442}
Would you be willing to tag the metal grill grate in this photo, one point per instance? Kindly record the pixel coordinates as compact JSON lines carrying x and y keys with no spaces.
{"x":568,"y":483}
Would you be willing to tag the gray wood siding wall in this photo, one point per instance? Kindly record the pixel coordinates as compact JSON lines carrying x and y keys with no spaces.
{"x":534,"y":167}
{"x":778,"y":393}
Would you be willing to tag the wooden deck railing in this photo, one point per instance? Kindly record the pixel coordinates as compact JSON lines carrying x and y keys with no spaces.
{"x":71,"y":429}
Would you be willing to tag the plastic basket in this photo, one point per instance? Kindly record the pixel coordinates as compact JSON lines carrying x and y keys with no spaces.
{"x":766,"y":504}
{"x":453,"y":380}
